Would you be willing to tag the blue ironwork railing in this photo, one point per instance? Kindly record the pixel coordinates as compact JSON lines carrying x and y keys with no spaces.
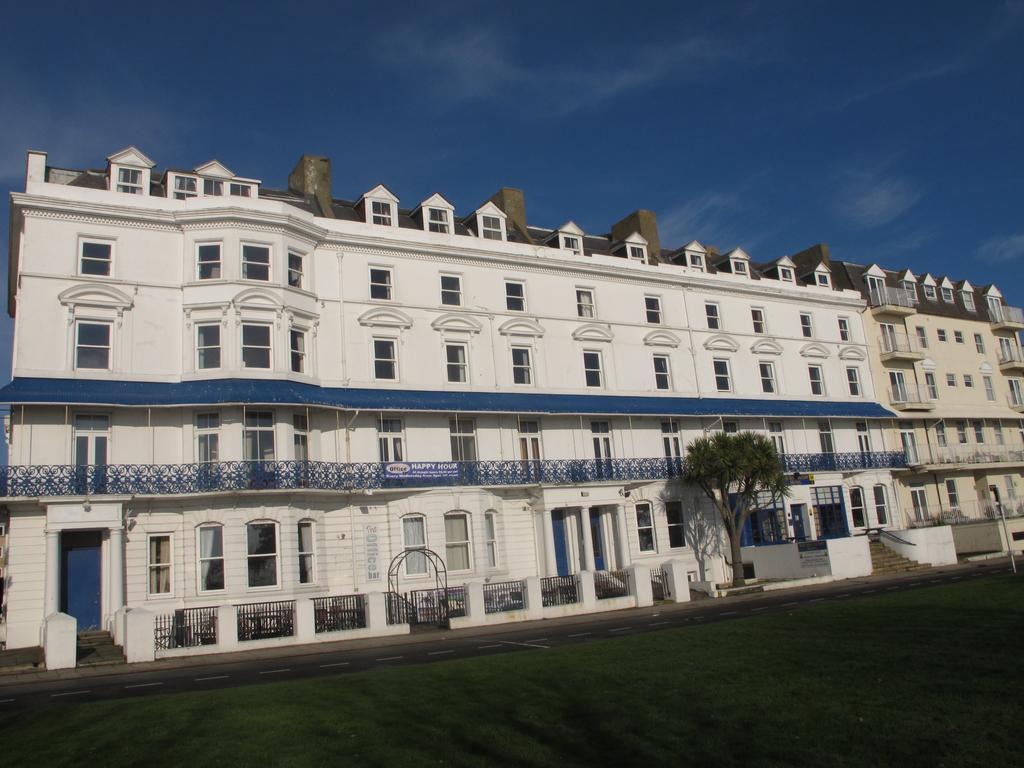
{"x":167,"y":479}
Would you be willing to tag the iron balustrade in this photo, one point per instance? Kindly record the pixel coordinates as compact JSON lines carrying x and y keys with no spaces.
{"x":437,"y":606}
{"x":399,"y":609}
{"x":559,"y":590}
{"x":341,"y":612}
{"x":185,"y":628}
{"x":501,"y":596}
{"x":659,"y":584}
{"x":609,"y":584}
{"x":259,"y":621}
{"x":175,"y":479}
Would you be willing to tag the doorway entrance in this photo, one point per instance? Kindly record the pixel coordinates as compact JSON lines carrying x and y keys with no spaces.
{"x":80,"y":577}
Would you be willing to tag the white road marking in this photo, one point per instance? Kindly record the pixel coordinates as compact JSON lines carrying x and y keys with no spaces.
{"x":580,"y":634}
{"x":68,"y":693}
{"x":274,"y":671}
{"x":536,"y":640}
{"x":6,"y":701}
{"x":524,"y":645}
{"x":438,"y":653}
{"x":762,"y":608}
{"x":486,"y":647}
{"x":619,"y":629}
{"x":211,"y":677}
{"x":658,"y":623}
{"x":143,"y":685}
{"x":728,"y":613}
{"x":334,"y":664}
{"x":390,"y":658}
{"x":870,"y":591}
{"x":789,"y":605}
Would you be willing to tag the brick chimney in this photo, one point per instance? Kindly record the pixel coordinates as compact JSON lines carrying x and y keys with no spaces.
{"x":645,"y":223}
{"x":311,"y":178}
{"x":513,"y":203}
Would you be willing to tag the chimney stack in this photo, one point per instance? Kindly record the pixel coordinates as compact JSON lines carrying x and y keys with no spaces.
{"x":311,"y":178}
{"x":646,"y":224}
{"x":513,"y":203}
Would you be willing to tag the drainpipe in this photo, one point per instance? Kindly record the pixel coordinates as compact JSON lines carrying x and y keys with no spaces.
{"x":348,"y":437}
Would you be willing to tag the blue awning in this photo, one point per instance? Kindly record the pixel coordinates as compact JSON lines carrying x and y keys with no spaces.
{"x":279,"y":392}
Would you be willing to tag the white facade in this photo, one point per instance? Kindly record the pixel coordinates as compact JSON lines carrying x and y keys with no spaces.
{"x":247,"y":326}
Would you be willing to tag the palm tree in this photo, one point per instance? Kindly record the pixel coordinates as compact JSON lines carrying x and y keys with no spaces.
{"x":733,"y":470}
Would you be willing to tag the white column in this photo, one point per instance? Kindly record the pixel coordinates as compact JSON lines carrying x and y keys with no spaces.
{"x":52,"y":586}
{"x":622,"y":536}
{"x":116,"y":550}
{"x":550,"y":566}
{"x":588,"y":540}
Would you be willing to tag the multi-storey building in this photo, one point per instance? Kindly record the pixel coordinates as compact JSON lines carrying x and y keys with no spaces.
{"x":224,"y":393}
{"x":947,"y":357}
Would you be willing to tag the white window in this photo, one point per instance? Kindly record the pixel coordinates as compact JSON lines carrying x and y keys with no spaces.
{"x":881,"y":514}
{"x":451,"y":290}
{"x":822,"y":279}
{"x":592,"y":368}
{"x":491,"y":538}
{"x":300,"y":437}
{"x":239,"y":190}
{"x":979,"y":343}
{"x":297,"y":340}
{"x":990,"y":393}
{"x":601,"y":436}
{"x":307,"y":553}
{"x":208,"y":261}
{"x":256,"y":351}
{"x":931,"y":386}
{"x":757,"y":320}
{"x":491,"y":228}
{"x":997,"y":431}
{"x":863,"y":437}
{"x":515,"y":296}
{"x":645,"y":527}
{"x":968,"y":381}
{"x":844,"y":329}
{"x":857,"y":507}
{"x":825,"y":438}
{"x":414,"y":541}
{"x":385,"y":360}
{"x":389,"y":439}
{"x":185,"y":187}
{"x":380,"y":213}
{"x":129,"y":180}
{"x":585,"y":303}
{"x":295,"y":269}
{"x":208,"y":346}
{"x":953,"y":495}
{"x":951,"y":380}
{"x":767,"y":371}
{"x":697,"y":261}
{"x":961,"y":431}
{"x":652,"y":306}
{"x":941,"y":439}
{"x":969,"y":301}
{"x":806,"y":325}
{"x":922,"y":337}
{"x":258,"y":436}
{"x":456,"y":363}
{"x":211,"y":558}
{"x":712,"y":315}
{"x":979,"y":431}
{"x":853,"y":381}
{"x":261,"y":552}
{"x":207,"y":437}
{"x":95,"y":258}
{"x":213,"y":187}
{"x":456,"y":541}
{"x":522,"y":370}
{"x":910,"y":289}
{"x":786,"y":274}
{"x":670,"y":443}
{"x":958,"y":337}
{"x":947,"y":294}
{"x":637,"y":253}
{"x":739,"y":267}
{"x":437,"y":220}
{"x":462,"y":434}
{"x":817,"y":382}
{"x":572,"y":243}
{"x":158,"y":547}
{"x":676,"y":524}
{"x":380,"y":284}
{"x":92,"y":345}
{"x":662,"y":373}
{"x":730,"y":427}
{"x":941,"y":334}
{"x":775,"y":432}
{"x":723,"y":379}
{"x":255,"y":262}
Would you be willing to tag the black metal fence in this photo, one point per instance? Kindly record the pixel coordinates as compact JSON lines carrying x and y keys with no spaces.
{"x":399,"y":609}
{"x":186,"y":628}
{"x":259,"y":621}
{"x":333,"y":614}
{"x":659,"y":584}
{"x":437,"y":606}
{"x":500,"y":596}
{"x":609,"y":584}
{"x":559,"y":590}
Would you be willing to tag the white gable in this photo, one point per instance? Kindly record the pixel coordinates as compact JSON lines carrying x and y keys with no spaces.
{"x":785,"y":261}
{"x":966,"y":286}
{"x":737,"y":253}
{"x":380,"y":192}
{"x":570,"y":228}
{"x":693,"y":245}
{"x":993,"y":291}
{"x":131,"y":156}
{"x":946,"y":283}
{"x":216,"y":169}
{"x":490,"y":209}
{"x":907,"y":275}
{"x":875,"y":271}
{"x":636,"y":239}
{"x":437,"y":200}
{"x":928,"y":280}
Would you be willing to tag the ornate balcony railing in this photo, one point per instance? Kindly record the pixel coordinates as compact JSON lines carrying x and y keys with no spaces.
{"x":172,"y":479}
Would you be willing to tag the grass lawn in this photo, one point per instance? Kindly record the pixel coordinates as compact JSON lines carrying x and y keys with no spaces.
{"x":929,"y":677}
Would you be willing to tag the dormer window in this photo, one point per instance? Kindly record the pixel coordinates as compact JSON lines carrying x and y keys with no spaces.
{"x":947,"y":294}
{"x":213,"y":187}
{"x":786,"y":274}
{"x":437,"y":220}
{"x":239,"y":190}
{"x":969,"y":301}
{"x":929,"y":292}
{"x":129,"y":180}
{"x":739,"y":267}
{"x":821,"y":278}
{"x":697,"y":261}
{"x":572,"y":243}
{"x":381,"y":213}
{"x":185,"y":187}
{"x":492,"y":228}
{"x":910,"y":289}
{"x":128,"y":172}
{"x":637,"y":253}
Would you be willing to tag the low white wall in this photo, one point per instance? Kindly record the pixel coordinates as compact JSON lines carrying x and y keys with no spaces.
{"x":985,"y":536}
{"x":850,"y":557}
{"x":60,"y":641}
{"x":773,"y":561}
{"x":933,"y":545}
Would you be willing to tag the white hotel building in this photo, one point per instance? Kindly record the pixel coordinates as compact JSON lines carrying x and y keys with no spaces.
{"x":226,"y":394}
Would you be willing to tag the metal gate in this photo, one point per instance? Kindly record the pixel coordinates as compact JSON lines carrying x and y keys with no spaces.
{"x":425,"y":607}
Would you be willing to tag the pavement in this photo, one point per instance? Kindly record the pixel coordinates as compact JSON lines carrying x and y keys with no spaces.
{"x":32,"y":689}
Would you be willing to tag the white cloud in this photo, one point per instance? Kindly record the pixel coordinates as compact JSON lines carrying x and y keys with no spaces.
{"x":708,"y":217}
{"x":870,"y":199}
{"x":1003,"y":249}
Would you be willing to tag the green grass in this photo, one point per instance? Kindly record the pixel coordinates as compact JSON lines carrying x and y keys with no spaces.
{"x":929,"y":677}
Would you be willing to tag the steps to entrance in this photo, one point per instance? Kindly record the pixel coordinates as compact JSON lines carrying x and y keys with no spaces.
{"x":884,"y":560}
{"x":97,"y":649}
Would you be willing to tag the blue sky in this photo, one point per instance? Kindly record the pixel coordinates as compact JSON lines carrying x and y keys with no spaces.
{"x":891,"y":131}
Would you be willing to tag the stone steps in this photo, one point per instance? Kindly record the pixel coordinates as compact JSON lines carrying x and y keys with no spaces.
{"x":98,"y":649}
{"x":884,"y":560}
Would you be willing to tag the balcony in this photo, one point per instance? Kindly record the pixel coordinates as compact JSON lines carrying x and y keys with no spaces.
{"x":899,"y":302}
{"x":1016,"y":401}
{"x":177,"y":479}
{"x":1011,"y":360}
{"x":910,"y":397}
{"x":1005,"y":318}
{"x":899,"y":346}
{"x":976,"y":454}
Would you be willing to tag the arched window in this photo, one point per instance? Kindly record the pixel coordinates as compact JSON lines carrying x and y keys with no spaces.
{"x":414,"y":540}
{"x":456,"y":541}
{"x":491,"y":537}
{"x":307,"y":552}
{"x":261,"y":553}
{"x":857,"y":506}
{"x":880,"y":505}
{"x":210,"y":554}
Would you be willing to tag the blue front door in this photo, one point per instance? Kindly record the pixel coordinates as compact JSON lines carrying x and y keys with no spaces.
{"x":558,"y":530}
{"x":80,"y":577}
{"x":598,"y":538}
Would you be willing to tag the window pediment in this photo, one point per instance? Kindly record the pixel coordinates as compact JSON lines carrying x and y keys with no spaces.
{"x":216,"y":169}
{"x":814,"y":350}
{"x":721,"y":343}
{"x":592,"y":332}
{"x":928,"y":364}
{"x":851,"y":353}
{"x":662,"y":339}
{"x":103,"y":296}
{"x":257,"y":298}
{"x":521,"y":327}
{"x":385,"y":317}
{"x":985,"y":368}
{"x":130,"y":156}
{"x":766,"y":347}
{"x":457,"y":323}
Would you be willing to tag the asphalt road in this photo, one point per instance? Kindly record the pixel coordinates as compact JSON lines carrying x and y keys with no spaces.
{"x":427,"y":647}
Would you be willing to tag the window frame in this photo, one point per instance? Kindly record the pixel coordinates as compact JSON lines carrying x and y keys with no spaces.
{"x":491,"y":539}
{"x":109,"y":347}
{"x":414,"y":548}
{"x":588,"y":370}
{"x":390,"y":443}
{"x":301,"y":555}
{"x":381,"y":213}
{"x":807,"y":325}
{"x":820,"y":381}
{"x":853,"y":382}
{"x":462,"y":434}
{"x":275,"y":555}
{"x":376,"y":361}
{"x":665,"y":376}
{"x":771,"y":379}
{"x":713,"y":315}
{"x":439,"y":226}
{"x":258,"y":429}
{"x":520,"y":368}
{"x":206,"y":431}
{"x":387,"y":287}
{"x":151,"y":566}
{"x":200,"y":559}
{"x":487,"y":231}
{"x":201,"y":263}
{"x":757,"y":319}
{"x":298,"y":353}
{"x":466,"y":544}
{"x":649,"y":528}
{"x":584,"y":309}
{"x":130,"y":184}
{"x":269,"y":347}
{"x":446,"y":293}
{"x":679,"y":524}
{"x":509,"y":298}
{"x":300,"y":271}
{"x":652,"y":309}
{"x":460,"y":367}
{"x":844,"y":329}
{"x":728,"y":374}
{"x":202,"y":349}
{"x":107,"y":243}
{"x":247,"y":262}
